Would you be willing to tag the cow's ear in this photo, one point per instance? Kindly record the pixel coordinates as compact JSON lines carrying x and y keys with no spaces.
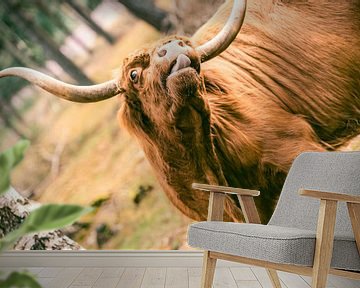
{"x":208,"y":31}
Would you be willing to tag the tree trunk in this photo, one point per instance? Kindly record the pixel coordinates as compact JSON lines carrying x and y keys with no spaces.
{"x":189,"y":15}
{"x":21,"y":58}
{"x":85,"y":15}
{"x":50,"y":47}
{"x":11,"y":110}
{"x":150,"y":13}
{"x":61,"y":25}
{"x":13,"y":210}
{"x":20,"y":55}
{"x":6,"y":120}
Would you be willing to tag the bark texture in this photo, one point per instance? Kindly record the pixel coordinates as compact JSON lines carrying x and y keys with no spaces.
{"x":189,"y":15}
{"x":150,"y":13}
{"x":13,"y":210}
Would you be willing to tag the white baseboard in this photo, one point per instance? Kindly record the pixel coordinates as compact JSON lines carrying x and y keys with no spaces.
{"x":105,"y":259}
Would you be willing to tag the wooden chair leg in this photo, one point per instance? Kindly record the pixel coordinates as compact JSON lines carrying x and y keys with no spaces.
{"x":274,"y":278}
{"x":324,"y":243}
{"x":354,"y":212}
{"x":208,"y":271}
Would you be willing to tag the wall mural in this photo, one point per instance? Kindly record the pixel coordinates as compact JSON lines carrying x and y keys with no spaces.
{"x":216,"y":107}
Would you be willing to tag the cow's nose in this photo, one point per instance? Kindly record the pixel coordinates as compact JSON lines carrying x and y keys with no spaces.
{"x":171,"y":50}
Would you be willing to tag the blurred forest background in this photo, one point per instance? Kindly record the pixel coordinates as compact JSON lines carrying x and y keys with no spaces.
{"x":79,"y":154}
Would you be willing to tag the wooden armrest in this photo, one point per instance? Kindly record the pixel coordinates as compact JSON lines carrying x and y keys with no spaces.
{"x":225,"y":190}
{"x":216,"y":202}
{"x":330,"y":196}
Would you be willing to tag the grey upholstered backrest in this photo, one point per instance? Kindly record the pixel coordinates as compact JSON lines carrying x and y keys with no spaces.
{"x":325,"y":171}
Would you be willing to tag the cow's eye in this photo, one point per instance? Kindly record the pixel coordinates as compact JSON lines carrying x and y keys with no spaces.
{"x":134,"y":76}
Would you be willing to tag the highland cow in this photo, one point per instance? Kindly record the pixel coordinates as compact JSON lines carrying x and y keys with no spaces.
{"x":290,"y":82}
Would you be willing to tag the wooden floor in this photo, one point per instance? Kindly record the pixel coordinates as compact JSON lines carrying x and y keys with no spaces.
{"x":153,"y":272}
{"x":171,"y":277}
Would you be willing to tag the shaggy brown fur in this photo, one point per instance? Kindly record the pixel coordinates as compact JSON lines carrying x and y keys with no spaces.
{"x":289,"y":83}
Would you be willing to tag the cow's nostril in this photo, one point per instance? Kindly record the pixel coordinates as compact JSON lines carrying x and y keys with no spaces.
{"x":162,"y":52}
{"x":181,"y":43}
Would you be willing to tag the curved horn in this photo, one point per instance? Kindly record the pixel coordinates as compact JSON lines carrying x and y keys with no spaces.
{"x":227,"y":34}
{"x":82,"y":94}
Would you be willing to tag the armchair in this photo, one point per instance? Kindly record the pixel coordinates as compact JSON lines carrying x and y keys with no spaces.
{"x":310,"y":232}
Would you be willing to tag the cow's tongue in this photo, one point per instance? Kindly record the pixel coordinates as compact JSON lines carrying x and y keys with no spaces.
{"x":182,"y":62}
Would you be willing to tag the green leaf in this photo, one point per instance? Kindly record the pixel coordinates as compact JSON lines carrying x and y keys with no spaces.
{"x":8,"y":160}
{"x":44,"y":218}
{"x":20,"y":280}
{"x":54,"y":216}
{"x":11,"y":238}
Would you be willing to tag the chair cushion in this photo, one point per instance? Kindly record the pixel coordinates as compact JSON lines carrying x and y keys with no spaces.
{"x":270,"y":243}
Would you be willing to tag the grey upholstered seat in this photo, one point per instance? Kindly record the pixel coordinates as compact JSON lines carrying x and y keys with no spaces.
{"x":289,"y":237}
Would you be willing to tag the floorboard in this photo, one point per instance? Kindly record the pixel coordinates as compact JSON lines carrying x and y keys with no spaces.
{"x":171,"y":277}
{"x":194,"y":277}
{"x":132,"y":277}
{"x":328,"y":285}
{"x":154,"y":278}
{"x":293,"y":280}
{"x":164,"y":271}
{"x":177,"y":278}
{"x":65,"y":277}
{"x":263,"y":278}
{"x":224,"y":278}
